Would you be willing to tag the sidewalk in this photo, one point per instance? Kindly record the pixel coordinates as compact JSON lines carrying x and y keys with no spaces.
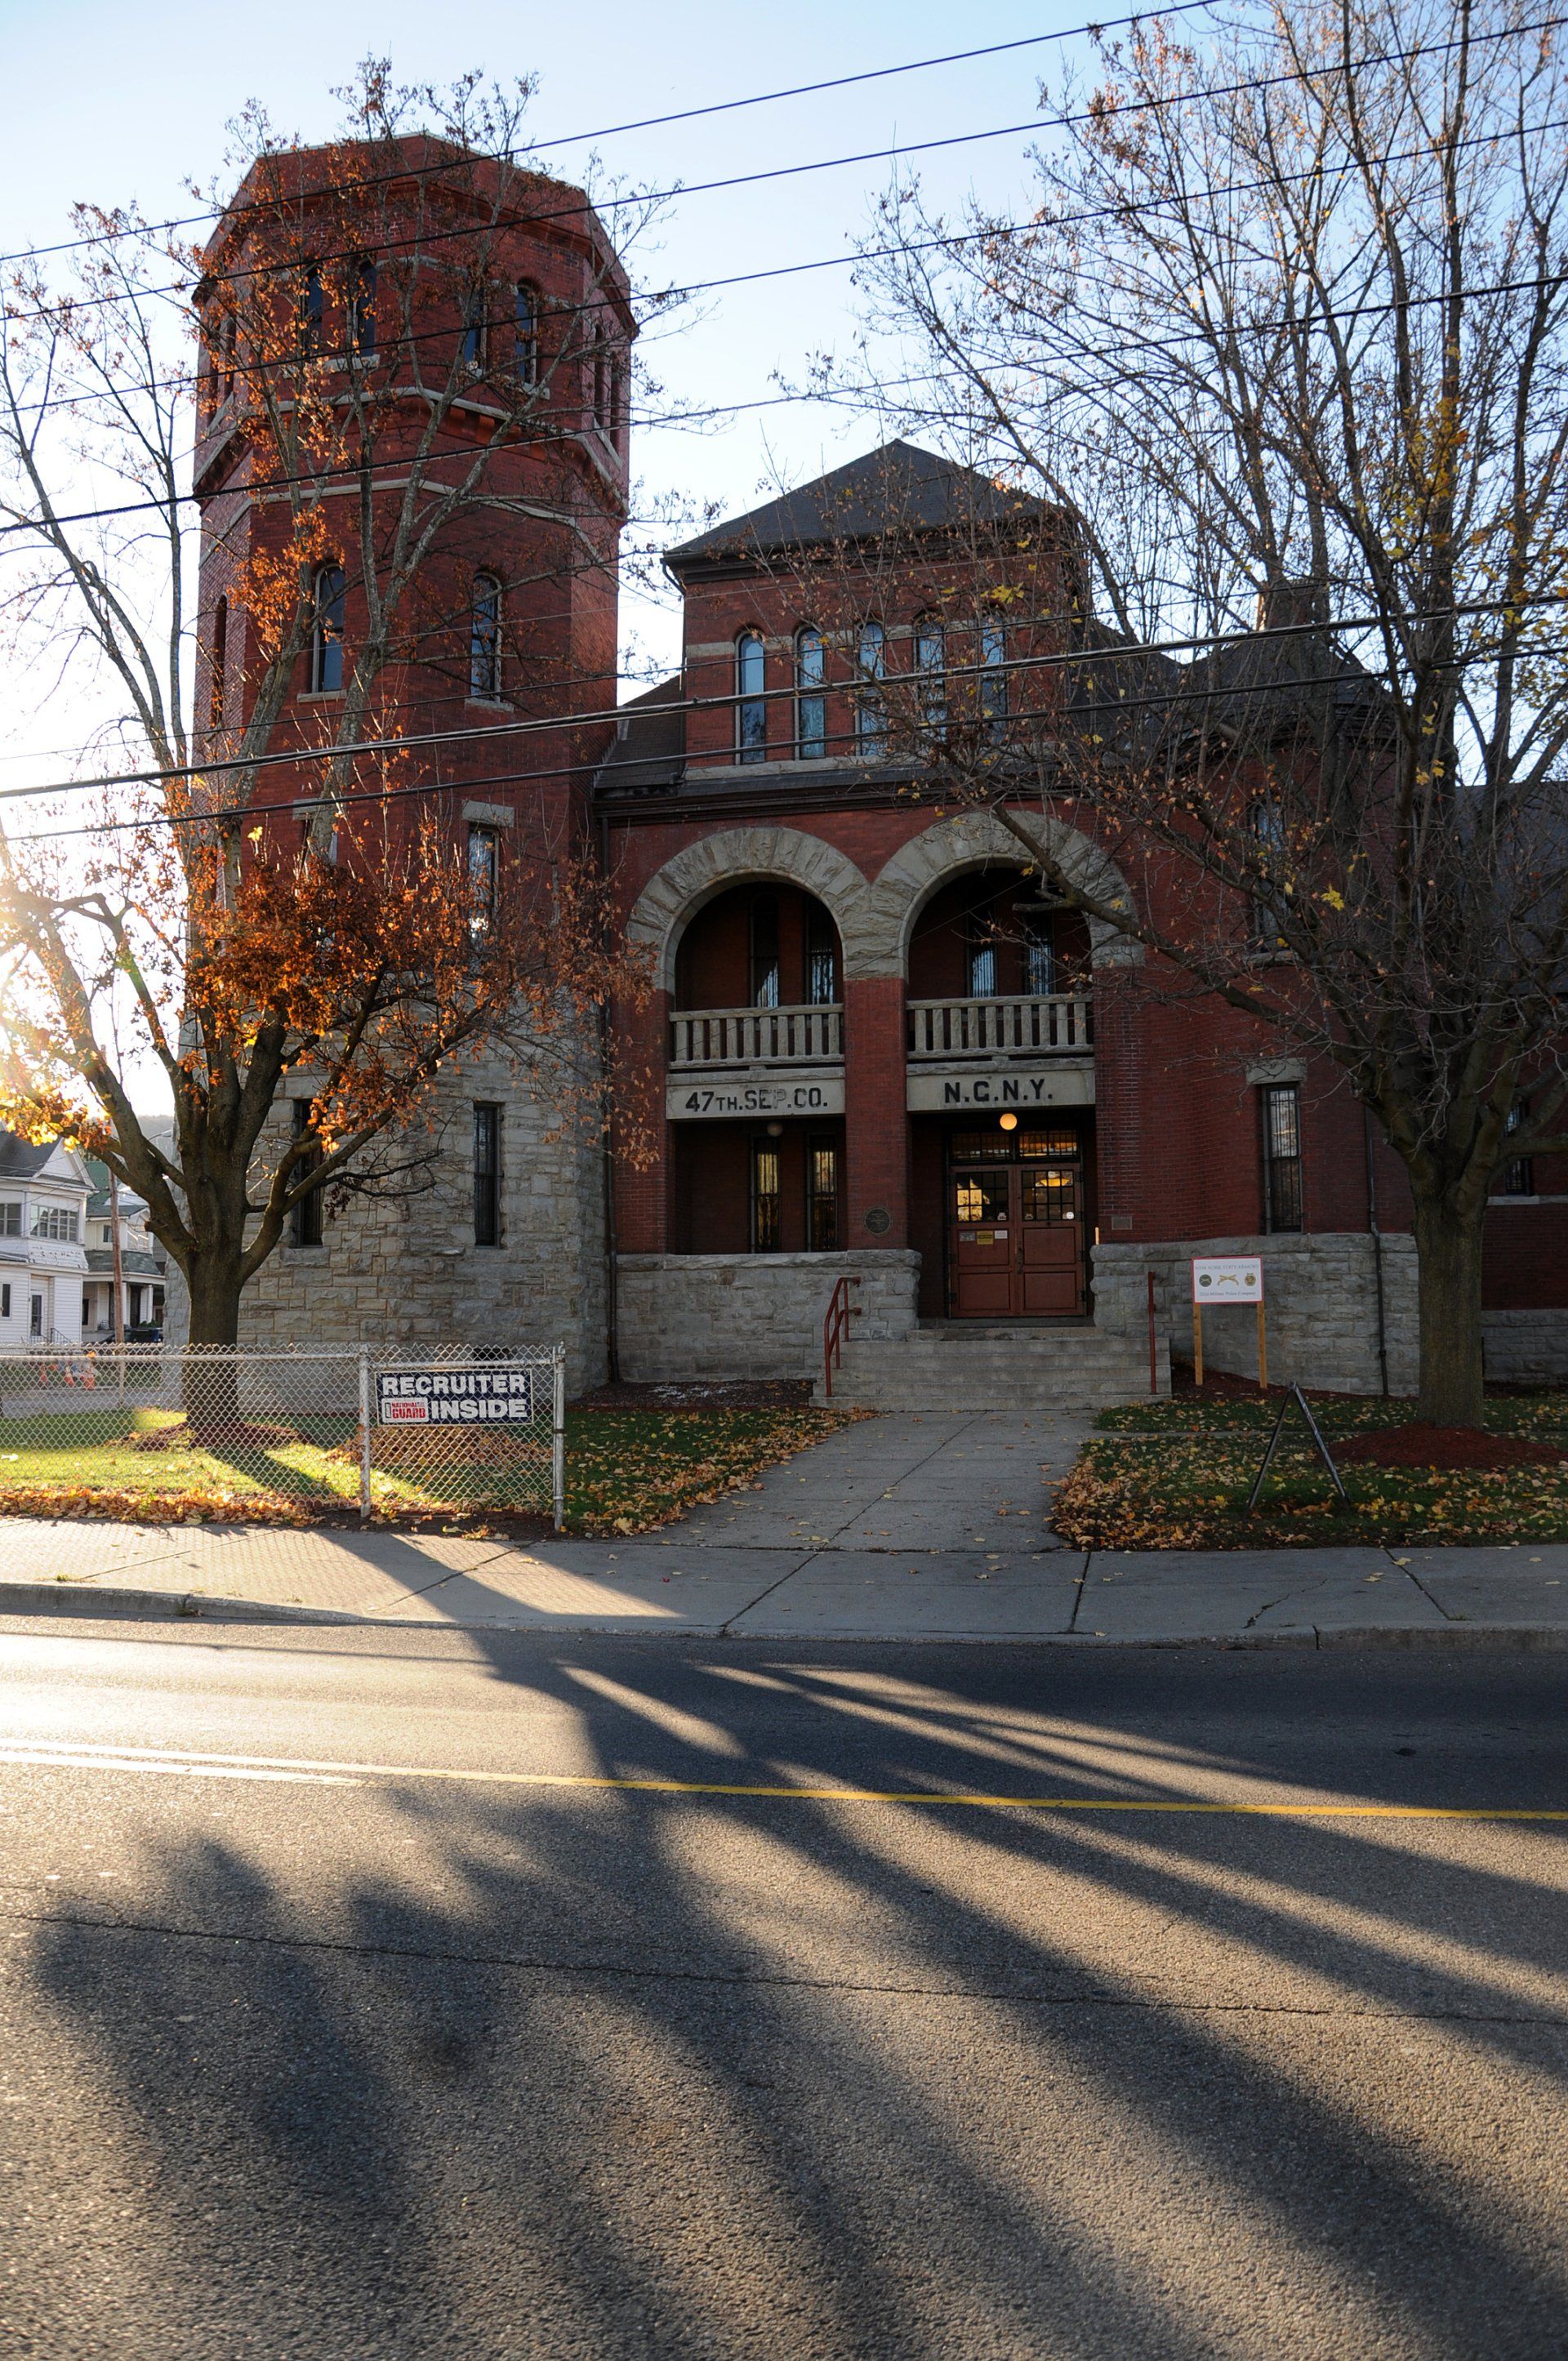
{"x":898,"y":1527}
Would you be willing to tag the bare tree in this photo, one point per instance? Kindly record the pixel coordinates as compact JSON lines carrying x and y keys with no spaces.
{"x":375,"y":395}
{"x":1283,"y":344}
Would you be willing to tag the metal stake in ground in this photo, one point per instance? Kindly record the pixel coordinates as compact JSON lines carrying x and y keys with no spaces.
{"x":1298,"y":1398}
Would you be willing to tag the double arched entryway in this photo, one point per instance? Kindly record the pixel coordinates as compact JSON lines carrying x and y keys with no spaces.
{"x":899,"y":1059}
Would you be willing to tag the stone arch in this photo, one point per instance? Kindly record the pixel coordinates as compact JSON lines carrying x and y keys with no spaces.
{"x":975,"y":840}
{"x":737,"y":856}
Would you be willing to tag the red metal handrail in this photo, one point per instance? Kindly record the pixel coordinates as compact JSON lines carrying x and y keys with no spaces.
{"x":835,"y":1321}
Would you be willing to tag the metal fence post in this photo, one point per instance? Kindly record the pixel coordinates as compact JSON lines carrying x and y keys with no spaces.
{"x":558,"y":1451}
{"x":364,"y":1434}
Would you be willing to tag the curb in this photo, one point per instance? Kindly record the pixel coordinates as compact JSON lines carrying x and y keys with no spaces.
{"x":123,"y":1604}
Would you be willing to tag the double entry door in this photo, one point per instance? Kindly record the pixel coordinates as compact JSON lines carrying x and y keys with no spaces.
{"x":1016,"y":1248}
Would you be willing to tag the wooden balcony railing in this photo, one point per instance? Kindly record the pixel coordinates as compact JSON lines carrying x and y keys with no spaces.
{"x":1035,"y":1027}
{"x":757,"y":1037}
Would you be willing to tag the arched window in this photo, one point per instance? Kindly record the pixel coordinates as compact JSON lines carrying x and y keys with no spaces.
{"x":326,"y":629}
{"x":527,"y":319}
{"x":219,"y":663}
{"x":931,"y":665}
{"x":871,"y":711}
{"x":312,"y":311}
{"x":994,"y":674}
{"x":810,"y":703}
{"x":484,"y":638}
{"x":362,"y":311}
{"x":751,"y":709}
{"x":475,"y":323}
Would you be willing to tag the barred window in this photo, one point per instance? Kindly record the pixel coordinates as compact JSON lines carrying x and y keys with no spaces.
{"x":767,"y":1222}
{"x":486,"y":1175}
{"x":1281,"y":1112}
{"x":305,"y":1222}
{"x":822,"y":1196}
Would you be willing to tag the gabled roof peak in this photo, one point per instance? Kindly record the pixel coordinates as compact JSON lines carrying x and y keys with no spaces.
{"x":897,"y":486}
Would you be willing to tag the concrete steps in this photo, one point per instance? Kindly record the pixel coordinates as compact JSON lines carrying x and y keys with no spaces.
{"x":954,"y":1366}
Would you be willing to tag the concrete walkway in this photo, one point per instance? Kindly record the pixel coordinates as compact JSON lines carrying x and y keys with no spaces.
{"x":901,"y":1527}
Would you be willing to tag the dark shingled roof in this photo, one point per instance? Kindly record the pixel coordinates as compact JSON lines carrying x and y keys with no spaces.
{"x":19,"y":1161}
{"x":649,"y":746}
{"x":896,"y":487}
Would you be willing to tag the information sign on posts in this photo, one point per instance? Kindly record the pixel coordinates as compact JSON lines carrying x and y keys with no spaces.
{"x":1227,"y":1278}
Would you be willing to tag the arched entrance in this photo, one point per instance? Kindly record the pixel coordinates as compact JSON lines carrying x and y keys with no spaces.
{"x":757,"y":1044}
{"x":1001,"y":1152}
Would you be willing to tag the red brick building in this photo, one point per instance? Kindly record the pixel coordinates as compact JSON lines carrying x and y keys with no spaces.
{"x":878,"y":1051}
{"x":885,"y":1051}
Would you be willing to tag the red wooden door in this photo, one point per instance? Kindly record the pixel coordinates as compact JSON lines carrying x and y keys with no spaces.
{"x":1016,"y":1248}
{"x":983,"y":1243}
{"x":1050,"y":1242}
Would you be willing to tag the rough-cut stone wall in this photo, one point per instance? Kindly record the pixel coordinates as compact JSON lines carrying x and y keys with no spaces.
{"x":753,"y":1316}
{"x":1526,"y":1347}
{"x":1320,"y":1300}
{"x":405,"y":1271}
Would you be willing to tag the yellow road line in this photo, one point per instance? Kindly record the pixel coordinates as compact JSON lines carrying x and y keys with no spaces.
{"x":62,"y":1755}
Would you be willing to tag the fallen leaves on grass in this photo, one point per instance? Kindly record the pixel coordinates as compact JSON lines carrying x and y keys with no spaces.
{"x":1189,"y":1490}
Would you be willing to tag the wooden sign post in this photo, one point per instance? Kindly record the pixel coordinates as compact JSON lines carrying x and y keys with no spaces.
{"x":1227,"y":1278}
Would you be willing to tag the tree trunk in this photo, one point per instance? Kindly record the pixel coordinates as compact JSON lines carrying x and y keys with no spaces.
{"x":210,"y":1379}
{"x":1448,"y":1256}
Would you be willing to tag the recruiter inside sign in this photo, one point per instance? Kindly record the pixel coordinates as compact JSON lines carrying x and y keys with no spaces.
{"x":496,"y":1395}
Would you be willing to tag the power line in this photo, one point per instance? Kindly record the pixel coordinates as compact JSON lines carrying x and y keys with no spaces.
{"x":865,"y":686}
{"x":537,"y":775}
{"x":725,"y":410}
{"x":427,"y":238}
{"x":618,"y":130}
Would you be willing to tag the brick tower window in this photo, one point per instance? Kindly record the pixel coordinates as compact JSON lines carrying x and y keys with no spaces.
{"x":871,"y":711}
{"x":327,"y":630}
{"x":527,"y":319}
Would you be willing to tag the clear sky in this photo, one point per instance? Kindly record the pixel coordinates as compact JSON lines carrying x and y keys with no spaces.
{"x":110,"y":103}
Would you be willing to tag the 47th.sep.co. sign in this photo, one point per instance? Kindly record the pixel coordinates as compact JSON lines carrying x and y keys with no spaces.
{"x":500,"y":1394}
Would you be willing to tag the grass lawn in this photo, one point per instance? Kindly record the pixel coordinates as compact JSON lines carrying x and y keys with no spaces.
{"x":626,"y":1469}
{"x":1175,"y":1475}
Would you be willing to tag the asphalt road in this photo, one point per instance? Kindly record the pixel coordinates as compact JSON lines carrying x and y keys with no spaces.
{"x":343,"y":2014}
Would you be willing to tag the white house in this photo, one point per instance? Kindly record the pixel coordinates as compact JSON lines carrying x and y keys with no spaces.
{"x":142,"y":1263}
{"x":44,"y":1193}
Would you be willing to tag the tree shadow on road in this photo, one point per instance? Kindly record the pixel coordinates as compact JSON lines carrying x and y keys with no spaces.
{"x":430,"y":2069}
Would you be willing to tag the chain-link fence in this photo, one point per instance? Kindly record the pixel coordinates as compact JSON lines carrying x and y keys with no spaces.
{"x":129,"y":1430}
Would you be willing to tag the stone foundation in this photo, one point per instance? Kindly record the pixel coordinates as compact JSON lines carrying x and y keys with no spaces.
{"x":403,"y":1270}
{"x":753,"y":1316}
{"x":1321,"y":1299}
